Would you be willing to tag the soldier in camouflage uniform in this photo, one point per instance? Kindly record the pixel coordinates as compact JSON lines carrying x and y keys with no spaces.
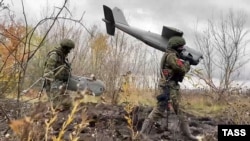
{"x":57,"y":72}
{"x":173,"y":70}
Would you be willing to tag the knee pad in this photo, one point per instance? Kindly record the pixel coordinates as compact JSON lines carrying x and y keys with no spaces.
{"x":164,"y":96}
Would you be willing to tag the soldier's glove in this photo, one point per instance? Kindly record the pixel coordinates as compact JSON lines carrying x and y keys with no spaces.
{"x":66,"y":66}
{"x":49,"y":79}
{"x":186,"y":62}
{"x":62,"y":68}
{"x":187,"y":66}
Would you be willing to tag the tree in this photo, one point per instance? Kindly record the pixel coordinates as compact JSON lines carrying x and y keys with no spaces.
{"x":99,"y":47}
{"x":12,"y":54}
{"x":24,"y":40}
{"x":3,"y":6}
{"x":223,"y":45}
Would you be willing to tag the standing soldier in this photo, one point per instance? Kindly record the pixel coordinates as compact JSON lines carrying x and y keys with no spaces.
{"x":57,"y":72}
{"x":173,"y":70}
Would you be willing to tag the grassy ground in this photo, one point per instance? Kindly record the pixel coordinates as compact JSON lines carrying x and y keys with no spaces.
{"x":202,"y":105}
{"x":231,"y":109}
{"x":234,"y":107}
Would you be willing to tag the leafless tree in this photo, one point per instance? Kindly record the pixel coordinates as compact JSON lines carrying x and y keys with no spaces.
{"x":223,"y":44}
{"x":110,"y":57}
{"x":3,"y":6}
{"x":26,"y":45}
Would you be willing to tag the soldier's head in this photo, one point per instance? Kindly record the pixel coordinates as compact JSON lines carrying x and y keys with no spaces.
{"x":176,"y":43}
{"x":67,"y":45}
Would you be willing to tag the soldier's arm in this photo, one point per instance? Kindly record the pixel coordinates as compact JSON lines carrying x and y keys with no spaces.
{"x":177,"y":64}
{"x":50,"y":66}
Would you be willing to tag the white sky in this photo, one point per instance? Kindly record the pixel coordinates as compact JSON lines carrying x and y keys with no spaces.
{"x":145,"y":14}
{"x":149,"y":15}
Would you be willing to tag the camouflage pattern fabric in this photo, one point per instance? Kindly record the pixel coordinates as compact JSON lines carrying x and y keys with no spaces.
{"x":58,"y":96}
{"x":175,"y":70}
{"x":175,"y":42}
{"x":57,"y":71}
{"x":57,"y":66}
{"x":174,"y":93}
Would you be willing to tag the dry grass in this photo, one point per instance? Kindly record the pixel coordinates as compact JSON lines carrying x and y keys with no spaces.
{"x":237,"y":110}
{"x":128,"y":98}
{"x":201,"y":105}
{"x":39,"y":124}
{"x":138,"y":97}
{"x":233,"y":109}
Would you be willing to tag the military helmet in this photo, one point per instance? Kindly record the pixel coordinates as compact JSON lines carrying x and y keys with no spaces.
{"x":176,"y":41}
{"x":67,"y":43}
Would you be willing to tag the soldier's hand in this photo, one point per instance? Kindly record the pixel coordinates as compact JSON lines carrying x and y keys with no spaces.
{"x":187,"y":66}
{"x":66,"y":66}
{"x":186,"y":62}
{"x":49,"y":79}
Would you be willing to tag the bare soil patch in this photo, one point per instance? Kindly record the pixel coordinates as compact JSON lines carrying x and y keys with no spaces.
{"x":105,"y":123}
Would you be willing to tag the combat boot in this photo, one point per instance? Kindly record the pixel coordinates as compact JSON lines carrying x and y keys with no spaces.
{"x":147,"y":126}
{"x":186,"y":131}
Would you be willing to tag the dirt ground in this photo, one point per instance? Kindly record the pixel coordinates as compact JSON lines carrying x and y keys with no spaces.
{"x":105,"y":123}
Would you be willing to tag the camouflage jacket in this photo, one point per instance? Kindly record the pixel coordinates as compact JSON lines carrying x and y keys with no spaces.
{"x":57,"y":66}
{"x":172,"y":67}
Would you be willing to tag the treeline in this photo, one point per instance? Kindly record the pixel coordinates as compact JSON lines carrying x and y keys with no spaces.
{"x":24,"y":45}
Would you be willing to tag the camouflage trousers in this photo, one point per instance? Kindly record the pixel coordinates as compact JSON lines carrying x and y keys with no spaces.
{"x":56,"y":93}
{"x":158,"y":112}
{"x":174,"y":97}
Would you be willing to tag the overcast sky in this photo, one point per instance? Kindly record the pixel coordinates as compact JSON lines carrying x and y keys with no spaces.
{"x":149,"y":15}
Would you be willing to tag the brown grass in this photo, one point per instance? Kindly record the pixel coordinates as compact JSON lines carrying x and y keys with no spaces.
{"x":201,"y":105}
{"x":38,"y":125}
{"x":232,"y":109}
{"x":138,"y":97}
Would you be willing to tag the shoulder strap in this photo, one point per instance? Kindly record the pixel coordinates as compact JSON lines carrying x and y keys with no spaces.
{"x":163,"y":60}
{"x":50,"y":53}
